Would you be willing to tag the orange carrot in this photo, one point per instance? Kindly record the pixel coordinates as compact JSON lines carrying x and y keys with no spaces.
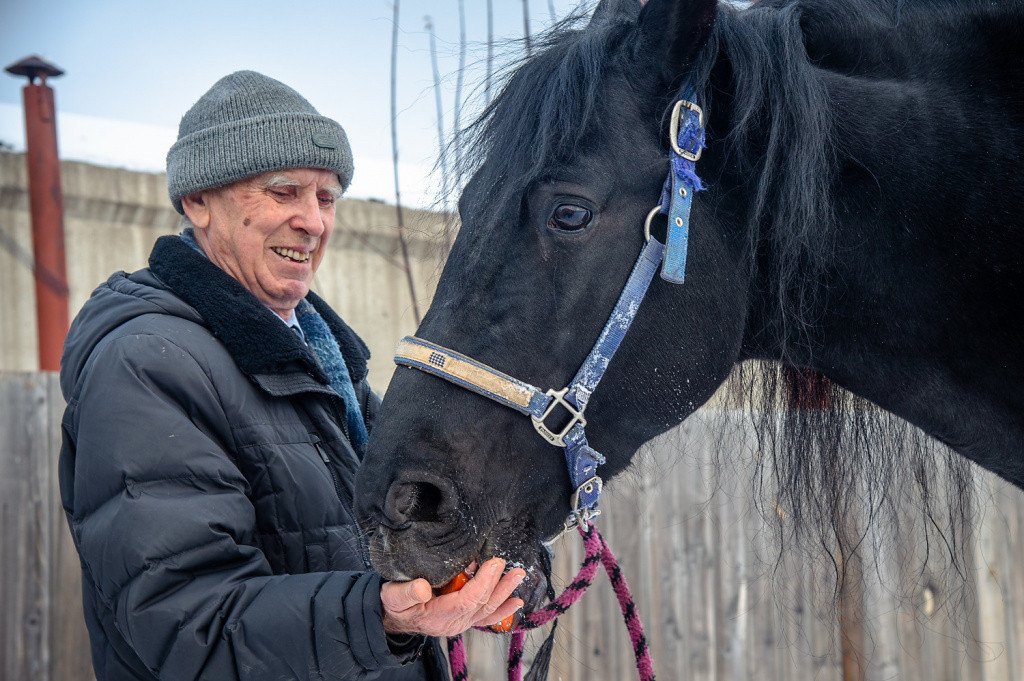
{"x":504,"y":626}
{"x":459,"y":581}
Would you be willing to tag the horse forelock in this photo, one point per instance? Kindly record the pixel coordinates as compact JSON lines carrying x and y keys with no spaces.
{"x":541,"y":115}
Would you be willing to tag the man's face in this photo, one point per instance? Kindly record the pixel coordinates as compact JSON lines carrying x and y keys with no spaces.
{"x":269,"y":232}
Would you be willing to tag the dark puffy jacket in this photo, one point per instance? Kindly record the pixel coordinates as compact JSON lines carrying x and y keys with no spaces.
{"x":207,"y":480}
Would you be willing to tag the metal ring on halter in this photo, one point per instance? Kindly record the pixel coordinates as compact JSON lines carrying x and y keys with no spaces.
{"x":576,"y":519}
{"x":647,"y":222}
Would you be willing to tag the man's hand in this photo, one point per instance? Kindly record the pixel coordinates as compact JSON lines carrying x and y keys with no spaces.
{"x":412,"y":607}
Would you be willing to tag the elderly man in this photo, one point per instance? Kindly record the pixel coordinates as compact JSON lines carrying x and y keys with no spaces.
{"x":217,"y":412}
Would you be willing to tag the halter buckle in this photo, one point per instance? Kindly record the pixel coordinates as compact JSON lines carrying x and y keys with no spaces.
{"x":674,"y":125}
{"x":558,"y":439}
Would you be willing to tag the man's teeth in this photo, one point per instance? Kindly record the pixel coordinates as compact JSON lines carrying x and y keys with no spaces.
{"x":297,"y":256}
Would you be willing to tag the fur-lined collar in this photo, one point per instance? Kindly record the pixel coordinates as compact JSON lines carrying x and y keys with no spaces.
{"x":259,"y":343}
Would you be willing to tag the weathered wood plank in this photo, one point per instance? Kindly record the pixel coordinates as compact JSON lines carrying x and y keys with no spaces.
{"x":994,"y":548}
{"x":1012,"y":510}
{"x":25,"y":527}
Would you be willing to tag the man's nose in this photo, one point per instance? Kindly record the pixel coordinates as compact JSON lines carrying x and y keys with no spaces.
{"x":308,"y":216}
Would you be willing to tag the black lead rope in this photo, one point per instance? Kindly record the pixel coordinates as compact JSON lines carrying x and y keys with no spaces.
{"x":542,"y":660}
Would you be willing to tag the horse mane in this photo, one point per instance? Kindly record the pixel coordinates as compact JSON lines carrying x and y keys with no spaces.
{"x":841,"y":479}
{"x":561,"y":82}
{"x":780,"y":136}
{"x":824,"y":476}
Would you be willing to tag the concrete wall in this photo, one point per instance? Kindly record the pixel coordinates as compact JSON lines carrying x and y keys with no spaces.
{"x":113,"y":216}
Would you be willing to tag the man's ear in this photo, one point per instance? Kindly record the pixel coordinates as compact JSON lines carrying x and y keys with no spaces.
{"x":196,"y":209}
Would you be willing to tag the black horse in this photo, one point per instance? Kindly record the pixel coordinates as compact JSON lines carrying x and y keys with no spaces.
{"x":862,"y":220}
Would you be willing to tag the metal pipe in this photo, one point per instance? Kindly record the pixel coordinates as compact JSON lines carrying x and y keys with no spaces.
{"x":47,"y":209}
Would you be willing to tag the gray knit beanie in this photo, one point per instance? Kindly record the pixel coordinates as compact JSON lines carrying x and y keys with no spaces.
{"x":248,"y":124}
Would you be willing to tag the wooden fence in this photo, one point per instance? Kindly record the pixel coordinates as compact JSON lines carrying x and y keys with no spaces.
{"x":693,"y":548}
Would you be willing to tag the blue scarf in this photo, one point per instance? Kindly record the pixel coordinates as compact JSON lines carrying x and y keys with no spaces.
{"x":322,"y":342}
{"x":324,"y":346}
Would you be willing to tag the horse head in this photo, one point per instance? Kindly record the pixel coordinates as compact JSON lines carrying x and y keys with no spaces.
{"x":827,"y":241}
{"x":576,"y":151}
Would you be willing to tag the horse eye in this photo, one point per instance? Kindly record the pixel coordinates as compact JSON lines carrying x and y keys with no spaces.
{"x":570,"y":217}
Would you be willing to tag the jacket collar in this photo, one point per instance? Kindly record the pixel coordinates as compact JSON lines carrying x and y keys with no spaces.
{"x":258,"y":341}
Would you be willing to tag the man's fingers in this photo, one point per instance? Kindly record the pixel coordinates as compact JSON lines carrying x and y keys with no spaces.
{"x":478,"y":590}
{"x":499,"y":601}
{"x":399,"y":596}
{"x":509,"y":607}
{"x":489,"y":586}
{"x":506,"y":586}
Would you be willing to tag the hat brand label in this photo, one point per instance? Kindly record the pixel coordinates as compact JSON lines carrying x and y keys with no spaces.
{"x":324,"y":140}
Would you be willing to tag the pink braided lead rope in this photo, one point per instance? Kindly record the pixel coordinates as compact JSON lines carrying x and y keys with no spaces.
{"x":596,"y":551}
{"x":457,"y":658}
{"x":629,"y":612}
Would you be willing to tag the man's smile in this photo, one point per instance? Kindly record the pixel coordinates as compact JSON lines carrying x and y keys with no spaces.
{"x":291,"y":254}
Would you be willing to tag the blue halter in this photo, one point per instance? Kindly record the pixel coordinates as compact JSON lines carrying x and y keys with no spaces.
{"x":687,"y":141}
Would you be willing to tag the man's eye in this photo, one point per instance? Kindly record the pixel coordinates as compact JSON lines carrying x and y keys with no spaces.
{"x":327,"y":200}
{"x":570,"y":217}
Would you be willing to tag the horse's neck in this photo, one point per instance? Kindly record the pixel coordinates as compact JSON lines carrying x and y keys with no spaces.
{"x":921,"y":304}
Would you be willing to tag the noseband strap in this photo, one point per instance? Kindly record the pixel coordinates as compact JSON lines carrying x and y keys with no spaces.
{"x":470,"y":374}
{"x":581,"y":459}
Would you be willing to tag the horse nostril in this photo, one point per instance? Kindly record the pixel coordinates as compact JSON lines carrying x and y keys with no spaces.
{"x":412,"y":502}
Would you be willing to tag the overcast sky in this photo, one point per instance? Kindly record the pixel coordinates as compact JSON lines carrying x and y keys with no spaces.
{"x":134,"y":67}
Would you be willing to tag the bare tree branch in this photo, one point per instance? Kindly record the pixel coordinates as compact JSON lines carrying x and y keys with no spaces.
{"x":394,"y":155}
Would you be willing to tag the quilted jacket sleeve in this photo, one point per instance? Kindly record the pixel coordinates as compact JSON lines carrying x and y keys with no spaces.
{"x":165,"y":530}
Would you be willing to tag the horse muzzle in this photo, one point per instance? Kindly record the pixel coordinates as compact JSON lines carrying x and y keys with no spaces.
{"x":421,"y":533}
